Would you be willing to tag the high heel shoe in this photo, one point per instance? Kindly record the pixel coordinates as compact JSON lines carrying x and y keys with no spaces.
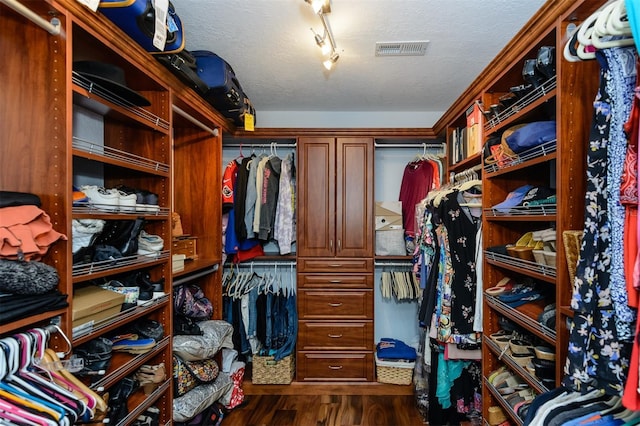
{"x":150,"y":377}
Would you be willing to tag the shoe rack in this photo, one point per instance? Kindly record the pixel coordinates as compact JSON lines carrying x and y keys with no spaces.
{"x":61,"y":131}
{"x":567,"y":98}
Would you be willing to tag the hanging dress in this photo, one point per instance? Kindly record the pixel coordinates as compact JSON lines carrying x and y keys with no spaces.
{"x":595,"y":356}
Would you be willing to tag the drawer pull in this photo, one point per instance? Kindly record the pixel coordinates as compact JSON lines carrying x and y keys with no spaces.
{"x":335,"y":281}
{"x":335,"y":367}
{"x":335,"y":265}
{"x":335,"y":336}
{"x":335,"y":305}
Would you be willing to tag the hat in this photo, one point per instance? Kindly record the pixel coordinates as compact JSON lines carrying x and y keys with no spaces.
{"x":514,"y":198}
{"x":111,"y":78}
{"x":536,"y":193}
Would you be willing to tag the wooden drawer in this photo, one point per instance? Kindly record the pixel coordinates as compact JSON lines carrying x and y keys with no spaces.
{"x":354,"y":336}
{"x":186,"y":246}
{"x":335,"y":366}
{"x":335,"y":280}
{"x":334,"y":304}
{"x":330,"y":265}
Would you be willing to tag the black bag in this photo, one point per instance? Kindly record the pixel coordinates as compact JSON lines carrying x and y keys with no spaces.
{"x":183,"y":65}
{"x":137,"y":18}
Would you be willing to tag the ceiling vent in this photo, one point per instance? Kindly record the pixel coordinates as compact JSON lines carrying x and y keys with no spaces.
{"x":401,"y":48}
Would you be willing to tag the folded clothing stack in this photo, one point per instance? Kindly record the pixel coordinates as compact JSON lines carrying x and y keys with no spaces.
{"x":393,"y":349}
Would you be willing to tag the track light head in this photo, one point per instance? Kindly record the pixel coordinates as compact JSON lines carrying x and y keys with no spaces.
{"x":320,"y":6}
{"x":328,"y":63}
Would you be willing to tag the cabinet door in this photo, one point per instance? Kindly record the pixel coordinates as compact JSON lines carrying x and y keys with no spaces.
{"x":354,"y":197}
{"x":316,"y":197}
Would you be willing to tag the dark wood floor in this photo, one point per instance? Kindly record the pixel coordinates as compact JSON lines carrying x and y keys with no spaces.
{"x":325,"y":410}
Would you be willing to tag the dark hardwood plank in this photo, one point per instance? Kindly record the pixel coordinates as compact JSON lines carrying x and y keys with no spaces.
{"x":325,"y":410}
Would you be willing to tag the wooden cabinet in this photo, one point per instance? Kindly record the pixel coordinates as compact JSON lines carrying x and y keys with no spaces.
{"x":335,"y":197}
{"x":335,"y":259}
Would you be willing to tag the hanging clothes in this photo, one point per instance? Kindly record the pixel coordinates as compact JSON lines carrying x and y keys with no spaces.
{"x":596,"y":357}
{"x":417,"y":181}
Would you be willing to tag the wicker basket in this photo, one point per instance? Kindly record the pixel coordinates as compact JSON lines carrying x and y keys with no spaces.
{"x":266,"y":371}
{"x":572,"y":241}
{"x":395,"y":373}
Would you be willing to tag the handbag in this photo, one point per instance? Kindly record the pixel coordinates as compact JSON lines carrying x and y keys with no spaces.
{"x":190,"y":301}
{"x":137,"y":18}
{"x":531,"y":135}
{"x":189,"y":374}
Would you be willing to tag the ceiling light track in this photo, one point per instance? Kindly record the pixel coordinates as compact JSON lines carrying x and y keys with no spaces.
{"x":326,"y":41}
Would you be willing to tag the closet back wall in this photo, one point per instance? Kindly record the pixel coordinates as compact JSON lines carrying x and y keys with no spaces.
{"x":393,"y":319}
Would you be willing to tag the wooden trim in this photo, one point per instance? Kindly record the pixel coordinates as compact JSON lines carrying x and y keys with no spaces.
{"x":346,"y":388}
{"x":291,"y":132}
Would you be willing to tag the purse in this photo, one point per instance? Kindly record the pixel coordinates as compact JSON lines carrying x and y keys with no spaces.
{"x":189,"y":374}
{"x":190,"y":301}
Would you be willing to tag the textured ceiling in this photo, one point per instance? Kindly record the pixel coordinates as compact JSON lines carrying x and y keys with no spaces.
{"x":271,"y":48}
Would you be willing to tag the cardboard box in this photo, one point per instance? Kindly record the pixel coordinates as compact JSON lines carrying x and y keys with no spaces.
{"x":388,"y":215}
{"x":95,"y":304}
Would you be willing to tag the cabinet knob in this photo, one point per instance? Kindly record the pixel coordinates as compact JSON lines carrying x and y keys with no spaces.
{"x":335,"y":336}
{"x":339,"y":245}
{"x":335,"y":305}
{"x":331,"y":244}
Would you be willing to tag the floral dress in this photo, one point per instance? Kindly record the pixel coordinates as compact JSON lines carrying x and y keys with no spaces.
{"x":596,"y":358}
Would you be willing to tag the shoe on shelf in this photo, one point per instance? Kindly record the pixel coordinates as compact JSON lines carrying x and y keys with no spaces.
{"x":148,"y":242}
{"x":126,"y":201}
{"x":150,"y":377}
{"x":132,"y":344}
{"x":79,"y":197}
{"x":146,"y":201}
{"x":102,"y":198}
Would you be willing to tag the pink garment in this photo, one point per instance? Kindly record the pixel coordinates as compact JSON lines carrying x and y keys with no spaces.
{"x":26,"y":232}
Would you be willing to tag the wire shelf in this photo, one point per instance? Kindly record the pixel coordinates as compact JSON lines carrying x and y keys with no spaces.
{"x":94,"y":208}
{"x":540,"y":210}
{"x":522,"y":103}
{"x":96,"y":89}
{"x":521,"y":263}
{"x":107,"y":265}
{"x":539,"y":151}
{"x":530,"y":323}
{"x":116,"y":154}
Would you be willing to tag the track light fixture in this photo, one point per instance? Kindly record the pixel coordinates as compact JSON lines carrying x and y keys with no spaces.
{"x":325,"y":41}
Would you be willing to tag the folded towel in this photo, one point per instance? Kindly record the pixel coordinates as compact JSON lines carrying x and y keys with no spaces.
{"x":389,"y":348}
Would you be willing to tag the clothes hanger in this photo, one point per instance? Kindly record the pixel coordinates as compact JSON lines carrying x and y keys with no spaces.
{"x":605,"y":35}
{"x":42,"y":390}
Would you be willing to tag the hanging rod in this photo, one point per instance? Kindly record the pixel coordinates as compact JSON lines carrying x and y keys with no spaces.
{"x":409,"y":145}
{"x":52,"y":27}
{"x":192,"y":119}
{"x":382,"y":263}
{"x":467,"y":172}
{"x":195,"y":276}
{"x":259,"y":145}
{"x":259,"y":263}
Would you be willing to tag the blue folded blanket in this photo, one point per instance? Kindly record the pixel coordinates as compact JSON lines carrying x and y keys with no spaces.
{"x":389,"y":348}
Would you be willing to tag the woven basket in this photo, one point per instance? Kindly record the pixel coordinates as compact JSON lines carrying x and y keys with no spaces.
{"x":266,"y":371}
{"x":395,"y":373}
{"x":572,"y":241}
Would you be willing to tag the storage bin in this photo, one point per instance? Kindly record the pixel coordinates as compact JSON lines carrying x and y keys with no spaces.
{"x":267,"y":371}
{"x":394,"y":372}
